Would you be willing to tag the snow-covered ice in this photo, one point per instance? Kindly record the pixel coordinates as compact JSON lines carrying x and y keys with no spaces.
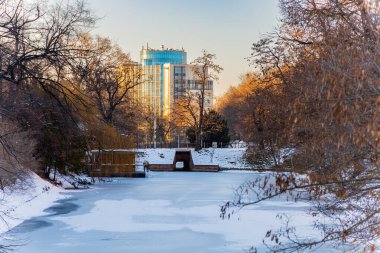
{"x":167,"y":212}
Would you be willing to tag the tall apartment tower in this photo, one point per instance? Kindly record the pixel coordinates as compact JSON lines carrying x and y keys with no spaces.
{"x":152,"y":90}
{"x":166,"y":76}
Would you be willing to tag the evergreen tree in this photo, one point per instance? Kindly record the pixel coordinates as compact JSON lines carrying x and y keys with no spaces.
{"x":215,"y":129}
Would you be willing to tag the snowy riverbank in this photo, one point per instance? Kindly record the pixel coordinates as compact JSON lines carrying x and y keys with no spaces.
{"x":18,"y":204}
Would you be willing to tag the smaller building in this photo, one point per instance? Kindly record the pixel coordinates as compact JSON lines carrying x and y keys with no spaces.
{"x":181,"y":81}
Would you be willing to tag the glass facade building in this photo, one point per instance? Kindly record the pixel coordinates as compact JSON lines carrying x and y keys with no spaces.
{"x":149,"y":57}
{"x":166,"y":77}
{"x":152,"y":63}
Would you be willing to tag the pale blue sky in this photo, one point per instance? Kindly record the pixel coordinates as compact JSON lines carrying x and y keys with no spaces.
{"x":224,"y":27}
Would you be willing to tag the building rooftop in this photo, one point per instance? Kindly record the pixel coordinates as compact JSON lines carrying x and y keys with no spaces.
{"x":162,"y":48}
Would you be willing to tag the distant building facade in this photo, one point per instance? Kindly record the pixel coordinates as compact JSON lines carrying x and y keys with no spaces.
{"x":166,"y":78}
{"x":180,"y":81}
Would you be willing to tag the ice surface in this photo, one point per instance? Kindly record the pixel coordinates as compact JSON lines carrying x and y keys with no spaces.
{"x":167,"y":212}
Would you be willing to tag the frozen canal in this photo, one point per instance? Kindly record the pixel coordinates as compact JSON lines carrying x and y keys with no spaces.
{"x":166,"y":212}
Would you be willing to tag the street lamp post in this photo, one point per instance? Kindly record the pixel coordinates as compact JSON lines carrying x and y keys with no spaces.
{"x":154,"y":111}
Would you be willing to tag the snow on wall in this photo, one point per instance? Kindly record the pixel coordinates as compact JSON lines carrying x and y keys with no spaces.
{"x":156,"y":156}
{"x":226,"y":158}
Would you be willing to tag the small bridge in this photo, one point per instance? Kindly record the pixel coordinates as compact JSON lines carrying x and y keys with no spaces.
{"x":183,"y":162}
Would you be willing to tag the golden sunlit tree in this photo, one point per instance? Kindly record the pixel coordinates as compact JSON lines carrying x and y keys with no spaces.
{"x":326,"y":57}
{"x":205,"y":70}
{"x":106,"y":74}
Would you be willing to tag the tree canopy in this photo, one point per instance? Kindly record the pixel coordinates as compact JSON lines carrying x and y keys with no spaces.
{"x":214,"y":130}
{"x":316,"y":90}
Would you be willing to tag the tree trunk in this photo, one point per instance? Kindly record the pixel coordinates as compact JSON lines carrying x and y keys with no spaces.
{"x":198,"y":137}
{"x":1,"y":79}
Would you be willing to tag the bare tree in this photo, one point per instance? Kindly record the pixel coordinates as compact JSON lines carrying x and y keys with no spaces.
{"x":16,"y":153}
{"x":107,"y":74}
{"x":37,"y":48}
{"x":38,"y":42}
{"x":258,"y":111}
{"x":233,"y":106}
{"x":205,"y":70}
{"x":185,"y":112}
{"x":325,"y":57}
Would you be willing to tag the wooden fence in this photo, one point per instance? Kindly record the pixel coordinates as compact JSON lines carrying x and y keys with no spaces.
{"x":113,"y":163}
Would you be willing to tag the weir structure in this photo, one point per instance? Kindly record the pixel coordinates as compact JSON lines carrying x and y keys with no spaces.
{"x":124,"y":163}
{"x":183,"y":161}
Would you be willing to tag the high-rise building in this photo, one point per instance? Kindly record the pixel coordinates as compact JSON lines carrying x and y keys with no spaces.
{"x":151,"y":91}
{"x":167,"y":77}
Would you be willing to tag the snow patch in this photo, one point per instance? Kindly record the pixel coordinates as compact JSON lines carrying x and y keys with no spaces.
{"x":18,"y":205}
{"x":71,"y":180}
{"x":226,"y":158}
